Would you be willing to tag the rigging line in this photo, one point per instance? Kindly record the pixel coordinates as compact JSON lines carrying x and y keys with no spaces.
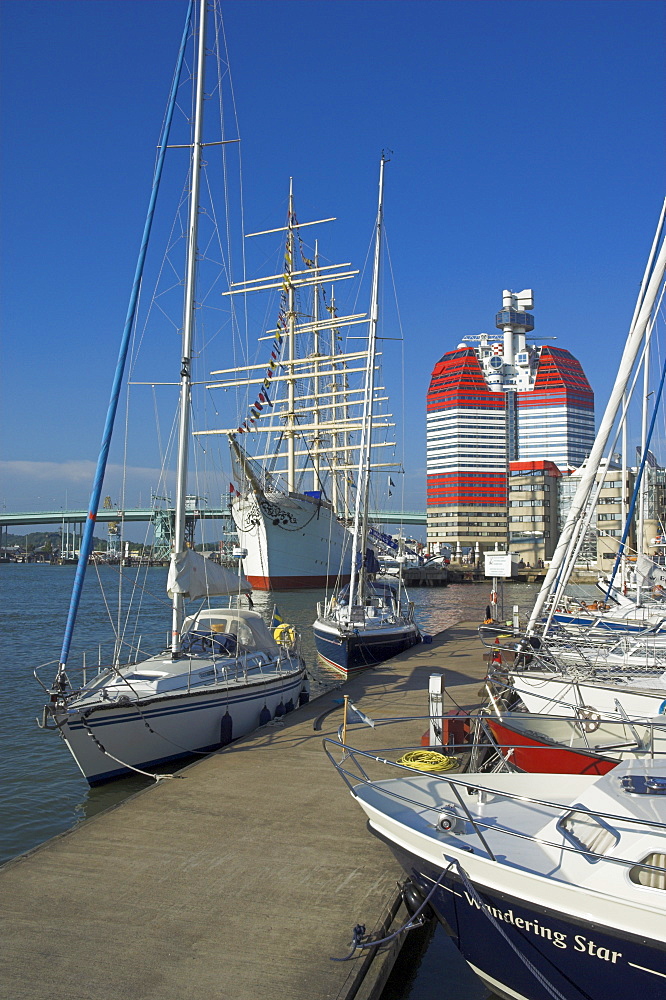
{"x":638,"y":483}
{"x":538,"y":975}
{"x":87,"y":541}
{"x":403,"y":408}
{"x":130,"y":767}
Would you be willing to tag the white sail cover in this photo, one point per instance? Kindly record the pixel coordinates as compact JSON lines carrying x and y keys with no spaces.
{"x":648,"y":573}
{"x":193,"y":576}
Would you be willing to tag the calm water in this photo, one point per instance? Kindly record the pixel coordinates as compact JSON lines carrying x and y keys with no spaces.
{"x":43,"y":793}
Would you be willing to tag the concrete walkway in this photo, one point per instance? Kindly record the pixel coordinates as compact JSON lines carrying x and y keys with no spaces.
{"x":236,"y":880}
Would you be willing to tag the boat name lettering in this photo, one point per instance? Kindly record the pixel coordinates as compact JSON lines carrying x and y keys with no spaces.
{"x":558,"y":938}
{"x":581,"y":943}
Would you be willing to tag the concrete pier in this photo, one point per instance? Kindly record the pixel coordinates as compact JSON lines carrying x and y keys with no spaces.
{"x":235,"y":880}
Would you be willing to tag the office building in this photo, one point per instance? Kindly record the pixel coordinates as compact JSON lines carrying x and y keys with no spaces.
{"x":494,"y":400}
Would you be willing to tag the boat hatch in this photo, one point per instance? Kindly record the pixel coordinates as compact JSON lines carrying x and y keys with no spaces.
{"x":589,"y":833}
{"x":651,"y":872}
{"x":641,"y":784}
{"x":145,"y":675}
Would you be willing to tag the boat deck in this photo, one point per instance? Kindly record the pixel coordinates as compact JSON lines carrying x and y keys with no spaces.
{"x":241,"y":876}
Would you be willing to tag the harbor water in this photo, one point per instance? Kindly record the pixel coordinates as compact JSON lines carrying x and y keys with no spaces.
{"x":43,"y":794}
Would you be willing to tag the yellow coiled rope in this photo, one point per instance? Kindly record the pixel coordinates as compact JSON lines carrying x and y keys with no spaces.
{"x":427,"y":760}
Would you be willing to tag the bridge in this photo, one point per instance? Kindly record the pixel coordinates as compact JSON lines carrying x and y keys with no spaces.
{"x":58,"y":517}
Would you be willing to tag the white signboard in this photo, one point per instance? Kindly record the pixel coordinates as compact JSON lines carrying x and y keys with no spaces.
{"x":498,"y":563}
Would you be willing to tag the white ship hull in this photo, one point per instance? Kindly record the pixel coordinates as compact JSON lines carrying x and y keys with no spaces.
{"x":293,"y":541}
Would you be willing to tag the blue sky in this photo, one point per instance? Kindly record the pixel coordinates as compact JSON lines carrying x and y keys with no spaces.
{"x":527,"y":147}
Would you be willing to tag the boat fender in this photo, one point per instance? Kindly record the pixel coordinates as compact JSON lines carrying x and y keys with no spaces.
{"x":226,"y":729}
{"x":304,"y":697}
{"x":280,"y":710}
{"x":426,"y":638}
{"x":414,"y":899}
{"x":590,"y":719}
{"x":285,"y":635}
{"x":289,"y":707}
{"x":264,"y":716}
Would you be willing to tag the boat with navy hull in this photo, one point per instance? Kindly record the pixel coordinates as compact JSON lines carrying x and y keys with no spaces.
{"x":554,"y":891}
{"x":352,"y":638}
{"x":371,"y":619}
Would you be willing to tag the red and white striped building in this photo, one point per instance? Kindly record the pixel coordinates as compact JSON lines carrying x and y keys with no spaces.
{"x":491,"y":401}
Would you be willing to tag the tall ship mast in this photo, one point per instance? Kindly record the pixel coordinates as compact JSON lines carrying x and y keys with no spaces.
{"x":295,"y":454}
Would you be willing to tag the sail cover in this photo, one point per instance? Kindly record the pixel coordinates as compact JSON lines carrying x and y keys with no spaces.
{"x":193,"y":576}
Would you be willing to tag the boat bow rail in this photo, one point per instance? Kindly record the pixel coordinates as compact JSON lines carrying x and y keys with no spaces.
{"x":546,"y":832}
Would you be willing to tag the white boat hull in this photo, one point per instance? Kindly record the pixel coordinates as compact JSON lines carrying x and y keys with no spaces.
{"x":293,"y":542}
{"x":554,"y":694}
{"x":109,"y":742}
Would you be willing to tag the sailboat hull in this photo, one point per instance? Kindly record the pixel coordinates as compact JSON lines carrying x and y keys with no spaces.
{"x":110,"y":742}
{"x":536,"y":753}
{"x":293,"y":541}
{"x":555,"y":694}
{"x":352,"y":651}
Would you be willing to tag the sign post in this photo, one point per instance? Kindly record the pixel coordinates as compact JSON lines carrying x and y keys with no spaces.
{"x":497,"y":565}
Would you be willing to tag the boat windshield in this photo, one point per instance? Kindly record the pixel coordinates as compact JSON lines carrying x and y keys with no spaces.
{"x":250,"y":631}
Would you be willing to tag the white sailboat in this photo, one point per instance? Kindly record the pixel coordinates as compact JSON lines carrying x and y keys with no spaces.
{"x":371,"y":620}
{"x":633,"y":684}
{"x":224,"y":674}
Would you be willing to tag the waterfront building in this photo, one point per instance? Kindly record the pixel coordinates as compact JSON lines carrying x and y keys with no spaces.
{"x":493,"y":401}
{"x":533,"y":494}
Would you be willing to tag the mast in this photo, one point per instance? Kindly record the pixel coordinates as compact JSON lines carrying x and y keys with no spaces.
{"x":316,"y":413}
{"x":291,"y":347}
{"x":654,"y":275}
{"x":357,"y":582}
{"x":188,"y":323}
{"x":88,"y":535}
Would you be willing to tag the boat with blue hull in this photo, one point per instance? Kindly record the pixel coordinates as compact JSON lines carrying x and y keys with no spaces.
{"x":561,"y":897}
{"x":351,"y":639}
{"x":370,"y":619}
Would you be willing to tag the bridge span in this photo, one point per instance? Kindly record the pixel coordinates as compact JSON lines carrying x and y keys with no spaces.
{"x":106,"y":515}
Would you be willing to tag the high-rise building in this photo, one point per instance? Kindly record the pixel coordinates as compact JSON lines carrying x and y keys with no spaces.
{"x":490,"y":402}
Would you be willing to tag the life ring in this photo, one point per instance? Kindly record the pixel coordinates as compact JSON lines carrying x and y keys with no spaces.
{"x":590,"y":719}
{"x":658,"y":591}
{"x":285,"y":635}
{"x":493,"y":597}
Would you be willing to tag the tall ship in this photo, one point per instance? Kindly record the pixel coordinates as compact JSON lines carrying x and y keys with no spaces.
{"x":295,"y":453}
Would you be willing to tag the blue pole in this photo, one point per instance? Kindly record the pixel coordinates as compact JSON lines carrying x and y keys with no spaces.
{"x":87,"y":540}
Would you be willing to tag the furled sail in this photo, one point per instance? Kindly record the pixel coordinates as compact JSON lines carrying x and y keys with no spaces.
{"x":648,"y":573}
{"x":193,"y":576}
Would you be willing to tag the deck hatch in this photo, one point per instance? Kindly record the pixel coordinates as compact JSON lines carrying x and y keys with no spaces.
{"x":589,"y":833}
